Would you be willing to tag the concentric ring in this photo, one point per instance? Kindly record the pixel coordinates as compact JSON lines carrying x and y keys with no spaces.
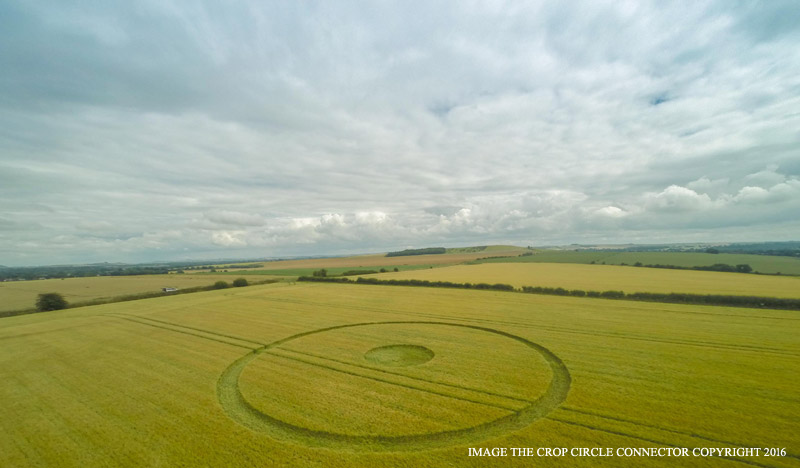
{"x":240,"y":410}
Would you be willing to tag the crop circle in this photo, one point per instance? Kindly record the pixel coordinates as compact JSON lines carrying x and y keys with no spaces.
{"x":399,"y":355}
{"x":242,"y":411}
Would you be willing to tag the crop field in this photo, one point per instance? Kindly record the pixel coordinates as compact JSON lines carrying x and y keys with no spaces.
{"x":346,"y":375}
{"x":20,"y":295}
{"x":607,"y":277}
{"x":382,"y":261}
{"x":770,"y":264}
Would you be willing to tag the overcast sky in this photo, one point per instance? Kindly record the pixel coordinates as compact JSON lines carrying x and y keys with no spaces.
{"x":157,"y":130}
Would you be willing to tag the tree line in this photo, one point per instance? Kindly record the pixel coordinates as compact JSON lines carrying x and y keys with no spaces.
{"x":46,"y":302}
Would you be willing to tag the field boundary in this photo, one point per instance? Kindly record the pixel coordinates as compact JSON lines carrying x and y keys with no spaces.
{"x":753,"y":302}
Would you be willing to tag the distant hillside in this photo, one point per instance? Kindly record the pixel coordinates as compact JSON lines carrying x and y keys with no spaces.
{"x":783,"y":249}
{"x":786,"y":249}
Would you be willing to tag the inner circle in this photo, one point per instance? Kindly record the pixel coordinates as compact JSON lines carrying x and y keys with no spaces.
{"x":399,"y":355}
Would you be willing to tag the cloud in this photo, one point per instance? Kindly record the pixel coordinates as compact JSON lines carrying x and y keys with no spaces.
{"x":752,"y":195}
{"x":235,"y":218}
{"x":611,"y":212}
{"x":95,"y":226}
{"x":677,"y":199}
{"x":168,"y":130}
{"x":784,"y":191}
{"x":228,"y":239}
{"x":706,"y":185}
{"x":768,"y":176}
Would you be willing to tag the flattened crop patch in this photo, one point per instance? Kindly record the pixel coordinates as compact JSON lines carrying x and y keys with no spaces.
{"x":334,"y":388}
{"x":399,"y":355}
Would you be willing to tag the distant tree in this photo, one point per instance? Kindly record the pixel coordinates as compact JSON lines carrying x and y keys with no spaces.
{"x":744,"y":268}
{"x":50,"y":301}
{"x":396,"y":269}
{"x":383,"y":270}
{"x":239,"y":282}
{"x":221,"y":285}
{"x":320,"y":273}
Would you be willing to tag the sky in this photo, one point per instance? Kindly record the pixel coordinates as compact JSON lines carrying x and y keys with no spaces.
{"x":177,"y":130}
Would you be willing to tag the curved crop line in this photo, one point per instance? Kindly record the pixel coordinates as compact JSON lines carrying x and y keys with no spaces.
{"x":240,"y":410}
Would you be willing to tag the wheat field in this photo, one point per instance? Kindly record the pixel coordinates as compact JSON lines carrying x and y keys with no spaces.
{"x":610,"y":277}
{"x":349,"y":375}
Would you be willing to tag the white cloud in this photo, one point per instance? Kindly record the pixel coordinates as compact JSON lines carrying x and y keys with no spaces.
{"x":706,"y":185}
{"x":611,"y":212}
{"x":677,"y":199}
{"x":752,"y":195}
{"x":228,"y":239}
{"x":767,"y":177}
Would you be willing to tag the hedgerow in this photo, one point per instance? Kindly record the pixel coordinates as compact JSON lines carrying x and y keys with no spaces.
{"x":676,"y":298}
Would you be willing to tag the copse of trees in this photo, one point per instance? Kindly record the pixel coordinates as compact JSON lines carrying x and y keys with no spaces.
{"x":50,"y":301}
{"x":325,"y":279}
{"x":221,"y":285}
{"x":239,"y":283}
{"x":426,"y":251}
{"x":359,"y":272}
{"x":724,"y":267}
